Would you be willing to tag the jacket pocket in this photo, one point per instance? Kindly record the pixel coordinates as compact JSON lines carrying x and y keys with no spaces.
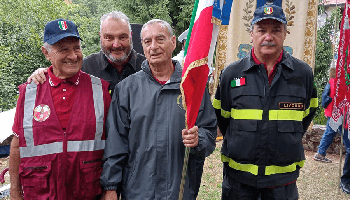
{"x":243,"y":132}
{"x":90,"y":172}
{"x":289,"y":148}
{"x":34,"y":178}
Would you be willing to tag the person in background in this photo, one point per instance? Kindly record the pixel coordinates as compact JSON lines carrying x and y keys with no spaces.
{"x":327,"y":104}
{"x":146,"y":133}
{"x":264,"y":104}
{"x":329,"y":133}
{"x":181,"y":55}
{"x":59,"y":129}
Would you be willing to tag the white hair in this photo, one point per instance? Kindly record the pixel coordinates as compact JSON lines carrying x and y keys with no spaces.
{"x":115,"y":15}
{"x":158,"y":21}
{"x":47,"y":46}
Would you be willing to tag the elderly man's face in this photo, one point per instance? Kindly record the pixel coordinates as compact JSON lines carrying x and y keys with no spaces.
{"x":158,"y":44}
{"x":65,"y":56}
{"x":268,"y":36}
{"x":115,"y":38}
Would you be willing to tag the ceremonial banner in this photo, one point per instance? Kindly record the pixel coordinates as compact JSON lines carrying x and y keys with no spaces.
{"x":341,"y":105}
{"x":301,"y":18}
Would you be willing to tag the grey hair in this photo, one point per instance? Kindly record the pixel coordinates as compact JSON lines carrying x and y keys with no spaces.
{"x":158,"y":21}
{"x":252,"y":27}
{"x":47,"y":46}
{"x":115,"y":15}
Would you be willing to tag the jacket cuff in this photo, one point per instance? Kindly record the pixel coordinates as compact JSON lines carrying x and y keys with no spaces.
{"x":111,"y":187}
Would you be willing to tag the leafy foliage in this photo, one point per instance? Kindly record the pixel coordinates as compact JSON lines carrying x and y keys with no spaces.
{"x":324,"y":56}
{"x":21,"y":30}
{"x":176,"y":12}
{"x":22,"y":24}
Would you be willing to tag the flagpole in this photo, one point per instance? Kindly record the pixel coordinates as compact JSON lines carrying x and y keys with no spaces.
{"x":187,"y":149}
{"x":341,"y":147}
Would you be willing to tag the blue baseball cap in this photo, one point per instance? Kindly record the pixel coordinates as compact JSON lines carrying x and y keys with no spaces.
{"x":269,"y":11}
{"x":59,"y":29}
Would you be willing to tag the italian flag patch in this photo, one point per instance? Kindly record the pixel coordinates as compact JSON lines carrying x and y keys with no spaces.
{"x":62,"y":25}
{"x":238,"y":82}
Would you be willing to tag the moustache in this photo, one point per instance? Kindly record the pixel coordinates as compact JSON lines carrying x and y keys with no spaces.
{"x":270,"y":44}
{"x":117,"y":49}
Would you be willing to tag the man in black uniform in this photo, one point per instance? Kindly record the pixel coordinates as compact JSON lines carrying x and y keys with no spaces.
{"x":264,"y":104}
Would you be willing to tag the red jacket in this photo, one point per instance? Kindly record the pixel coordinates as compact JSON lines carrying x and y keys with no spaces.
{"x":57,"y":164}
{"x":328,"y":110}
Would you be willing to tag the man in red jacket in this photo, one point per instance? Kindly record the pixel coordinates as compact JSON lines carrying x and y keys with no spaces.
{"x":59,"y":125}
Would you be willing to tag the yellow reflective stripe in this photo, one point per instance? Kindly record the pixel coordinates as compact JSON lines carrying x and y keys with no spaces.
{"x":216,"y":104}
{"x":269,"y":170}
{"x":313,"y":103}
{"x":251,"y":114}
{"x":306,"y":112}
{"x":253,"y":169}
{"x":225,"y":113}
{"x":294,"y":115}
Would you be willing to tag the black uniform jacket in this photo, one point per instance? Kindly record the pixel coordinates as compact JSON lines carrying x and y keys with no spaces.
{"x":263,"y":124}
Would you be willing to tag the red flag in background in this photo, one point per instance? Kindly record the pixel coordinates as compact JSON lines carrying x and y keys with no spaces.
{"x":342,"y":92}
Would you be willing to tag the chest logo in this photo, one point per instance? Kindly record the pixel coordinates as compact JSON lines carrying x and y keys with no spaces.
{"x":41,"y":112}
{"x":179,"y":102}
{"x":291,"y":106}
{"x":238,"y":82}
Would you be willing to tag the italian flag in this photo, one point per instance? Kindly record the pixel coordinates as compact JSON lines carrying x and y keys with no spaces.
{"x":238,"y":82}
{"x":199,"y":50}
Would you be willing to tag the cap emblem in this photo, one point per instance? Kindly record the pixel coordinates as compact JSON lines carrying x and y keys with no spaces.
{"x":62,"y":25}
{"x":268,"y":10}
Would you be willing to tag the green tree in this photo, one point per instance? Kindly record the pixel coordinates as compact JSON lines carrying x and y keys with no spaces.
{"x":176,"y":12}
{"x":324,"y":56}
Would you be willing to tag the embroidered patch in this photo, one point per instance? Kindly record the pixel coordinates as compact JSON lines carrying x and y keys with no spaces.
{"x":291,"y":106}
{"x":179,"y":102}
{"x":238,"y":82}
{"x":41,"y":112}
{"x":268,"y":10}
{"x":62,"y":25}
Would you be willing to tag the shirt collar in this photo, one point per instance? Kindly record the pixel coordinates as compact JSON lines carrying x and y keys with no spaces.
{"x":55,"y":81}
{"x":258,"y":62}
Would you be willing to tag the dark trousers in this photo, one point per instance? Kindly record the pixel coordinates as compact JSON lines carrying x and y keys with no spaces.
{"x":234,"y":190}
{"x":345,"y":179}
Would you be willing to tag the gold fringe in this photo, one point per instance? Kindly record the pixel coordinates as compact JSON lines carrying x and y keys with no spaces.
{"x":194,"y":64}
{"x":220,"y":60}
{"x":216,"y":21}
{"x":310,"y":34}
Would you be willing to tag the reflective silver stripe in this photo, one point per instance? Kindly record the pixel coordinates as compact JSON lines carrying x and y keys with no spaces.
{"x":29,"y":104}
{"x":99,"y":106}
{"x":40,"y":150}
{"x":86,"y":145}
{"x":57,"y":147}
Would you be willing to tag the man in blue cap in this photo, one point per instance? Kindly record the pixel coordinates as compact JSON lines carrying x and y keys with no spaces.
{"x":264,"y":104}
{"x":59,"y":131}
